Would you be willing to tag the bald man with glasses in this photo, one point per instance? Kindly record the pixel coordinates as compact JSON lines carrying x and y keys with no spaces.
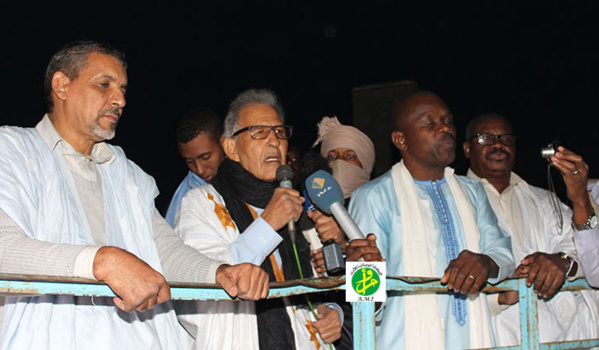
{"x":542,"y":247}
{"x":242,"y":216}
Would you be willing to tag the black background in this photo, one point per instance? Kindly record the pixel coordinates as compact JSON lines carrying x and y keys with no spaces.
{"x":533,"y":62}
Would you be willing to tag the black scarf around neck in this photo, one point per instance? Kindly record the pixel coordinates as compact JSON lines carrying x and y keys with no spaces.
{"x":237,"y":187}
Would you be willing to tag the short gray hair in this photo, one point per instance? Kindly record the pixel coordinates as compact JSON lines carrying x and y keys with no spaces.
{"x":72,"y":58}
{"x":246,"y":98}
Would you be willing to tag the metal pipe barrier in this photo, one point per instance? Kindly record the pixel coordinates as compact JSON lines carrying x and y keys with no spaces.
{"x":363,"y":312}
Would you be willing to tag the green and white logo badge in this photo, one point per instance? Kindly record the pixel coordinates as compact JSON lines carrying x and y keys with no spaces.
{"x":366,"y":281}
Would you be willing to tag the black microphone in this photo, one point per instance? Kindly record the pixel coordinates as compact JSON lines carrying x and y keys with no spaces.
{"x":311,"y":163}
{"x":285,"y":177}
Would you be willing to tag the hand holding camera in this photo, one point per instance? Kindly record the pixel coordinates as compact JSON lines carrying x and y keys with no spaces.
{"x":575,"y":173}
{"x":549,"y":151}
{"x":573,"y":168}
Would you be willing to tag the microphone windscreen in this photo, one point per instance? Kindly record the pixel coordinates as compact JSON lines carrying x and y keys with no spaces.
{"x":312,"y":162}
{"x":323,"y":190}
{"x":284,"y":172}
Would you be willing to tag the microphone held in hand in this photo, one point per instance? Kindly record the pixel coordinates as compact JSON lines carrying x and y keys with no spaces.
{"x":312,"y":162}
{"x":325,"y":192}
{"x":285,"y":178}
{"x":331,"y":251}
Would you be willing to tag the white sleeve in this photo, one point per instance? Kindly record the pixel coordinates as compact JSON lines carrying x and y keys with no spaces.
{"x":204,"y":223}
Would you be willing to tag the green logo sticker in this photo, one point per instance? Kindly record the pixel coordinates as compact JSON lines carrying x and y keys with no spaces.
{"x":366,"y":281}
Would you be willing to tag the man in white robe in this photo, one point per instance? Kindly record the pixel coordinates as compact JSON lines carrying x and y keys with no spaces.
{"x":72,"y":205}
{"x":246,"y":214}
{"x":199,"y":135}
{"x":541,"y":240}
{"x":432,"y":223}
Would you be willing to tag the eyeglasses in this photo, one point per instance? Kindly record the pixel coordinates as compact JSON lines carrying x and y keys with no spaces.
{"x":260,"y":132}
{"x":486,"y":139}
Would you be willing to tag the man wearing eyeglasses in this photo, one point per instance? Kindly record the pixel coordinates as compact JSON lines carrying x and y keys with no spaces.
{"x":247,"y":215}
{"x":543,"y":247}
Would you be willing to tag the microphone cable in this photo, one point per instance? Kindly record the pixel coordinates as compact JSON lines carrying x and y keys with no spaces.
{"x":292,"y":234}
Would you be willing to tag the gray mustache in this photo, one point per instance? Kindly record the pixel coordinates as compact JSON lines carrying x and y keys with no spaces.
{"x":111,"y":111}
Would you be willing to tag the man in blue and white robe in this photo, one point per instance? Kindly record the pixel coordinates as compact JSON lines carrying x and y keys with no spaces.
{"x":432,"y":223}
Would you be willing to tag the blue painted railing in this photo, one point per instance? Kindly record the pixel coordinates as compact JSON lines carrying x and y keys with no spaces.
{"x":364,"y":325}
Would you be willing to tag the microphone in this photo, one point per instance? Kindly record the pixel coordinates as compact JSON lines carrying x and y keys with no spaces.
{"x":285,"y":178}
{"x":312,"y":162}
{"x":331,"y":251}
{"x":325,"y":192}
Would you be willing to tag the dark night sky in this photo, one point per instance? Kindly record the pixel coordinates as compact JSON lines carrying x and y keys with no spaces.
{"x":533,"y":62}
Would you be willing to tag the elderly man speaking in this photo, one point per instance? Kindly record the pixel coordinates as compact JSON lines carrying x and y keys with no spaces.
{"x":248,"y":214}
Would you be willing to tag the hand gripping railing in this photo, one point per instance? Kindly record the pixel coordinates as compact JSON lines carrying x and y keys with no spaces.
{"x":363,"y":317}
{"x":529,"y":324}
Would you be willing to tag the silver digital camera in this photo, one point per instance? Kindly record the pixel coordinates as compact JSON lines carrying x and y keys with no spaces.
{"x":549,"y":150}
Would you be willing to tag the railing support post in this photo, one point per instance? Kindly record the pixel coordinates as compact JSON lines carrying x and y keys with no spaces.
{"x":364,"y":326}
{"x":529,"y":320}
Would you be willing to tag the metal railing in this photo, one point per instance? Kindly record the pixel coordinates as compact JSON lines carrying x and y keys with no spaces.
{"x":363,"y":312}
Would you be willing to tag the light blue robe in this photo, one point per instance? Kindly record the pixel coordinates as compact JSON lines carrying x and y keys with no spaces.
{"x":190,"y":181}
{"x":375,"y":209}
{"x":39,"y":194}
